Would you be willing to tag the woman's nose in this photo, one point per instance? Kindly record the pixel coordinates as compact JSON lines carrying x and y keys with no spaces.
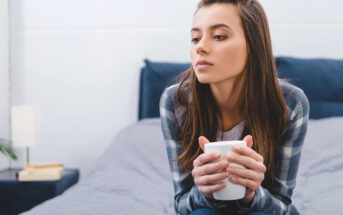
{"x":202,"y":47}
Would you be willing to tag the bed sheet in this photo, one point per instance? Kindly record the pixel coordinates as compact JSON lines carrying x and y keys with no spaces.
{"x":133,"y":177}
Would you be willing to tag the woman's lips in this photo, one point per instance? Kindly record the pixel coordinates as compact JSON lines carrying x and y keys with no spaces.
{"x":202,"y":65}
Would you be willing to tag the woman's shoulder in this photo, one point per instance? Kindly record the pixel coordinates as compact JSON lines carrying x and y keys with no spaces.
{"x":171,"y":90}
{"x":169,"y":104}
{"x":168,"y":97}
{"x":295,"y":98}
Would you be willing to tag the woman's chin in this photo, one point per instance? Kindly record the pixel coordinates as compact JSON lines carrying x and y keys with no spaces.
{"x":203,"y":79}
{"x":203,"y":82}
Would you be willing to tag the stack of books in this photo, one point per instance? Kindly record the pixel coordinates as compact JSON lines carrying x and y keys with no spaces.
{"x":41,"y":172}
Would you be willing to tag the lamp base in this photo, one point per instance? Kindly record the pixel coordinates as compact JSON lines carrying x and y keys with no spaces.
{"x":27,"y":155}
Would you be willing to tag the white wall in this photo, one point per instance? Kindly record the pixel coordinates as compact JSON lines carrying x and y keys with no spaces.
{"x":80,"y":60}
{"x":306,"y":28}
{"x":4,"y":77}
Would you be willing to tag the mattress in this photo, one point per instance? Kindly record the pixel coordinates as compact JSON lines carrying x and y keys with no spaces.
{"x":133,"y":177}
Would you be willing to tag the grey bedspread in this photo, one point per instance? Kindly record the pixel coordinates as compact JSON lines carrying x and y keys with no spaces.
{"x":132,"y":176}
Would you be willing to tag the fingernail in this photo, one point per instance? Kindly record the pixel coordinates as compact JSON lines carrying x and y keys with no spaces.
{"x":230,"y":169}
{"x":217,"y":155}
{"x":225,"y":164}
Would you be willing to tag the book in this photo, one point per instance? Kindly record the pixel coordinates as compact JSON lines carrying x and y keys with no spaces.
{"x":37,"y":166}
{"x":26,"y":176}
{"x":41,"y":172}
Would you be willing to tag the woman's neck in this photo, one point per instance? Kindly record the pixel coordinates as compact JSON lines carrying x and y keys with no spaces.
{"x":230,"y":120}
{"x":227,"y":98}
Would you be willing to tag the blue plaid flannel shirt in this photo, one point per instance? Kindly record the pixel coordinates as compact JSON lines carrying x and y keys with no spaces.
{"x":277,"y":200}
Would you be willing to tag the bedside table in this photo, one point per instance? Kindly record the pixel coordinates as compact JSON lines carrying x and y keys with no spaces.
{"x":17,"y":197}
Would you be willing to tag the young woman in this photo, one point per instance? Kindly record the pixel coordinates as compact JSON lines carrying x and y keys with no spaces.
{"x":232,"y":92}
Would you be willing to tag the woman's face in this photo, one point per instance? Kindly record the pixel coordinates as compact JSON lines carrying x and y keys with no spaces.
{"x":218,"y":50}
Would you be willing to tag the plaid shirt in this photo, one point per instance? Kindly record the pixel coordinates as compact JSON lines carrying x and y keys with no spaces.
{"x":277,"y":200}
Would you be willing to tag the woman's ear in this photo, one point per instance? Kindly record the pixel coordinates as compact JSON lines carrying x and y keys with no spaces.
{"x":202,"y":141}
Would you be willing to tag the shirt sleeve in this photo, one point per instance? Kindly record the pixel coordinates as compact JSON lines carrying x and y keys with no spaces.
{"x":278,"y":199}
{"x":187,"y":197}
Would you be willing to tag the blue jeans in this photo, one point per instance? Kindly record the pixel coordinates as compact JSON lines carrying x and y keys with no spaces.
{"x":208,"y":211}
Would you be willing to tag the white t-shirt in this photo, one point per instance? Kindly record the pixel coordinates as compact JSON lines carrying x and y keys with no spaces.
{"x":232,"y":134}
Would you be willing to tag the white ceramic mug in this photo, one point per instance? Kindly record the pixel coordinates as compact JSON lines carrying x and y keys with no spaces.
{"x":231,"y":191}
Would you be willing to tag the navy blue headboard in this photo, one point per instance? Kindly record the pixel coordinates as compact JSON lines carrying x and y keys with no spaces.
{"x":321,"y":80}
{"x":155,"y":77}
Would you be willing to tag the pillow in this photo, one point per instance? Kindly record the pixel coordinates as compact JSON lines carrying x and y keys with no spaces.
{"x":321,"y":80}
{"x":155,"y":77}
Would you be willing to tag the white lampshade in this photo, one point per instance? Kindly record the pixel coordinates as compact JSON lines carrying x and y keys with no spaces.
{"x":26,"y":125}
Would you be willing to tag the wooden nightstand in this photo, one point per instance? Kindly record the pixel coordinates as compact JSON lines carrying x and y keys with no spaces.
{"x":17,"y":197}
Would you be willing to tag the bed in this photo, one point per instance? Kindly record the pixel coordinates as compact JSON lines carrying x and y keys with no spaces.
{"x":132,"y":176}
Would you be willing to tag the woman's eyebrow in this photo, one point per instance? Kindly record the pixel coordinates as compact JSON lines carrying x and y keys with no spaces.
{"x":212,"y":27}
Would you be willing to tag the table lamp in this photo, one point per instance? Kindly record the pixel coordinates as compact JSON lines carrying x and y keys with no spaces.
{"x":26,"y":127}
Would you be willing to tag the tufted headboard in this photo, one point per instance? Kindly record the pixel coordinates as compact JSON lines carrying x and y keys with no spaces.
{"x":321,"y":80}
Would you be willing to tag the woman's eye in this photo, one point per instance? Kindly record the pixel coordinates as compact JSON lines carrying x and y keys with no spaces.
{"x":219,"y":37}
{"x":195,"y":40}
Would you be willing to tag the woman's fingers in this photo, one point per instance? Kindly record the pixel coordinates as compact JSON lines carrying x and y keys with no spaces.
{"x":207,"y":174}
{"x":245,"y":173}
{"x":210,"y":179}
{"x":202,"y":141}
{"x":209,"y":168}
{"x":248,"y":162}
{"x":252,"y":185}
{"x":246,"y":151}
{"x":205,"y":158}
{"x":209,"y":189}
{"x":248,"y":140}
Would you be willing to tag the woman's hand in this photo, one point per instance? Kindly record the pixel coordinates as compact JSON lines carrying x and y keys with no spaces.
{"x":253,"y":175}
{"x":206,"y":172}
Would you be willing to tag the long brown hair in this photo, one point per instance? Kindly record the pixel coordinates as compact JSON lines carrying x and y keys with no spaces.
{"x":261,"y":100}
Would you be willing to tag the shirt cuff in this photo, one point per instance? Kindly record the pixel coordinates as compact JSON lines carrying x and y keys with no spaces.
{"x":203,"y":201}
{"x":254,"y":204}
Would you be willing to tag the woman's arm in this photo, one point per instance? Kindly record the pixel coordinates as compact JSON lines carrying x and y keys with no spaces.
{"x":187,"y":196}
{"x":278,"y":199}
